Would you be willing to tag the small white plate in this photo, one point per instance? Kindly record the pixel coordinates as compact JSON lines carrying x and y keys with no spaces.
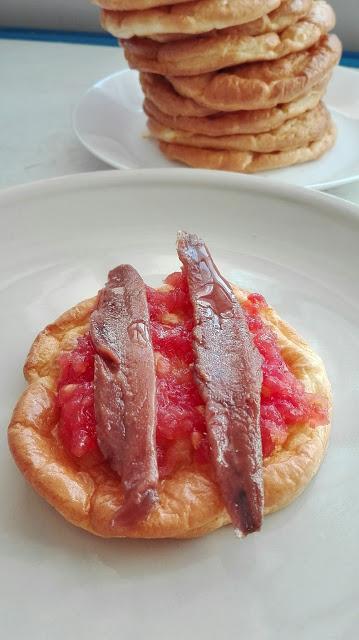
{"x":298,"y":578}
{"x":110,"y":123}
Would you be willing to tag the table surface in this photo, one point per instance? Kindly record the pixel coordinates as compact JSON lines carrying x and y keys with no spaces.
{"x":41,"y":84}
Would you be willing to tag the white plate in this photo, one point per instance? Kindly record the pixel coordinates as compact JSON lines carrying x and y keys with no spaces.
{"x":109,"y":121}
{"x":298,"y":578}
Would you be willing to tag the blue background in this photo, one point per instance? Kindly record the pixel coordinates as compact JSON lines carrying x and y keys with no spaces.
{"x":349,"y":58}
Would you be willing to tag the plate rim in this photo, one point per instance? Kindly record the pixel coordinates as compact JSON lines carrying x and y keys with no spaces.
{"x":340,"y":207}
{"x":323,"y":186}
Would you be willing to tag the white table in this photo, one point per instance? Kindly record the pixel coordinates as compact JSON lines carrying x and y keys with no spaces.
{"x":40,"y":85}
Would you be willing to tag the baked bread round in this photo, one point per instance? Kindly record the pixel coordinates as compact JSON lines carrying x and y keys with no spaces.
{"x":294,"y":133}
{"x":262,"y":85}
{"x":238,"y":122}
{"x":206,"y":53}
{"x":289,"y":12}
{"x":88,"y":493}
{"x":163,"y":95}
{"x":196,"y":16}
{"x":164,"y":98}
{"x":248,"y":161}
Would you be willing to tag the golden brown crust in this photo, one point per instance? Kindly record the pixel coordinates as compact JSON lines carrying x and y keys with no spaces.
{"x":239,"y":122}
{"x":88,"y":493}
{"x":163,"y":95}
{"x":229,"y":47}
{"x":248,"y":161}
{"x":196,"y":16}
{"x":294,"y":133}
{"x":262,"y":85}
{"x":289,"y":12}
{"x":288,"y":471}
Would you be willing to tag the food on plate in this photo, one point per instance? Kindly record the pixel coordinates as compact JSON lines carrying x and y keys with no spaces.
{"x":296,"y":132}
{"x":196,"y":16}
{"x":224,"y":124}
{"x":170,"y":412}
{"x":248,"y":161}
{"x":262,"y":85}
{"x":288,"y":13}
{"x":227,"y":48}
{"x":215,"y":69}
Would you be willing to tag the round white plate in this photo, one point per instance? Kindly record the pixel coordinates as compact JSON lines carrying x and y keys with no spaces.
{"x":296,"y":579}
{"x":109,"y":121}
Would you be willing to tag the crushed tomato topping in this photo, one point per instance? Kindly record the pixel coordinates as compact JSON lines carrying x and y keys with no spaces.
{"x":181,"y":426}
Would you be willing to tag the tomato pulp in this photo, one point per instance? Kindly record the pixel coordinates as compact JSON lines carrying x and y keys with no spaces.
{"x":181,"y":425}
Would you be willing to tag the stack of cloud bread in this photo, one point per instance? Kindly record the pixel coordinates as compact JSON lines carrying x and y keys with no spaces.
{"x":232,"y":84}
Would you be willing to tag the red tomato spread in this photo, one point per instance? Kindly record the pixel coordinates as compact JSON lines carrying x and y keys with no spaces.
{"x":181,"y":427}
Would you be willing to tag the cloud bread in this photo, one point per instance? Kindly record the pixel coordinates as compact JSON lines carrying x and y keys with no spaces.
{"x":162,"y":94}
{"x":196,"y":16}
{"x":210,"y":53}
{"x":88,"y":494}
{"x":239,"y":122}
{"x":294,"y":133}
{"x":289,"y":12}
{"x":248,"y":161}
{"x":262,"y":85}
